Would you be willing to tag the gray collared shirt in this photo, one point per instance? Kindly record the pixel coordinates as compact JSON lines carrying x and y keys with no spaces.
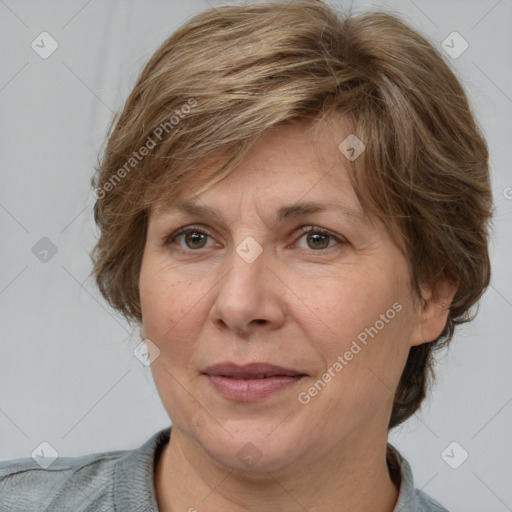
{"x":122,"y":481}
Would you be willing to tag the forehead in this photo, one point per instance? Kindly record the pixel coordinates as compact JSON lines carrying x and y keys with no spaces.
{"x":304,"y":152}
{"x":309,"y":175}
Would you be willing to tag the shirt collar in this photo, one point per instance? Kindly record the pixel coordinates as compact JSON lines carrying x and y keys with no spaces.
{"x":134,"y":477}
{"x":407,"y":496}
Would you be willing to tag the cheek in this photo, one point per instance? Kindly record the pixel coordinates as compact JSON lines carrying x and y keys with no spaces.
{"x":169,"y":305}
{"x":343,"y":306}
{"x":365,"y":322}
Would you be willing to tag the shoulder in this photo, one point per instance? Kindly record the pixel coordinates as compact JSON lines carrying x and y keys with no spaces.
{"x":68,"y":482}
{"x":410,"y":499}
{"x":428,"y":504}
{"x":96,"y":482}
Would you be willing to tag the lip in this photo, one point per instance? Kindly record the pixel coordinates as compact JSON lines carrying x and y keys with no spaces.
{"x":250,"y":371}
{"x":250,"y":382}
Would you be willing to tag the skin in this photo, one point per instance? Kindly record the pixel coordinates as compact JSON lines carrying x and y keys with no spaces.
{"x":299,"y":305}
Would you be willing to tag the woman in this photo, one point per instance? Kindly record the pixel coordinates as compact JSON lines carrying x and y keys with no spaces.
{"x":294,"y":208}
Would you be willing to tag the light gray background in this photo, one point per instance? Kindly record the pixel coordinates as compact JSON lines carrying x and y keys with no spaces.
{"x":67,"y":370}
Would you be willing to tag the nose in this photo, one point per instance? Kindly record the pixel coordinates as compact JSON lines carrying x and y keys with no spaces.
{"x":249,"y":297}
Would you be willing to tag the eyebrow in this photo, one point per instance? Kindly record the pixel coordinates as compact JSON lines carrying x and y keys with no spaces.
{"x":284,"y":212}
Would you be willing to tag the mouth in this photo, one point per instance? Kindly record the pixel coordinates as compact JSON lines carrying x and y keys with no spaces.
{"x":250,"y":371}
{"x":251,"y":382}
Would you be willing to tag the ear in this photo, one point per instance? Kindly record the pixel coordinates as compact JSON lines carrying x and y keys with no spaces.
{"x":432,"y":313}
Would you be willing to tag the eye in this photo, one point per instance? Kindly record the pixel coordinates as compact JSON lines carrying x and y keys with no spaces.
{"x":193,"y":237}
{"x":319,"y":238}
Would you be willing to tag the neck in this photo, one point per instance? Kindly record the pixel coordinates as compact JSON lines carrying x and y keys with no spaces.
{"x":353,"y":477}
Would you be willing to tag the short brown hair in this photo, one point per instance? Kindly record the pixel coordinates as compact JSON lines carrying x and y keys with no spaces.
{"x":229,"y":75}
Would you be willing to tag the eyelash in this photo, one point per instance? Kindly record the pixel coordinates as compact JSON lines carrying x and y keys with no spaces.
{"x":169,"y":240}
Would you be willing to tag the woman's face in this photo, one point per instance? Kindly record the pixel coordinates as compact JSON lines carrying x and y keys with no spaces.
{"x":332,"y":306}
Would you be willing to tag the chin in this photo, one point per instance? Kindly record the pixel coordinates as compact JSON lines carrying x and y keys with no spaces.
{"x":251,"y":449}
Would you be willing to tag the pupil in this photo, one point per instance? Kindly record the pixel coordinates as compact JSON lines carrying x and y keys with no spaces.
{"x":317,"y":237}
{"x":195,"y":237}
